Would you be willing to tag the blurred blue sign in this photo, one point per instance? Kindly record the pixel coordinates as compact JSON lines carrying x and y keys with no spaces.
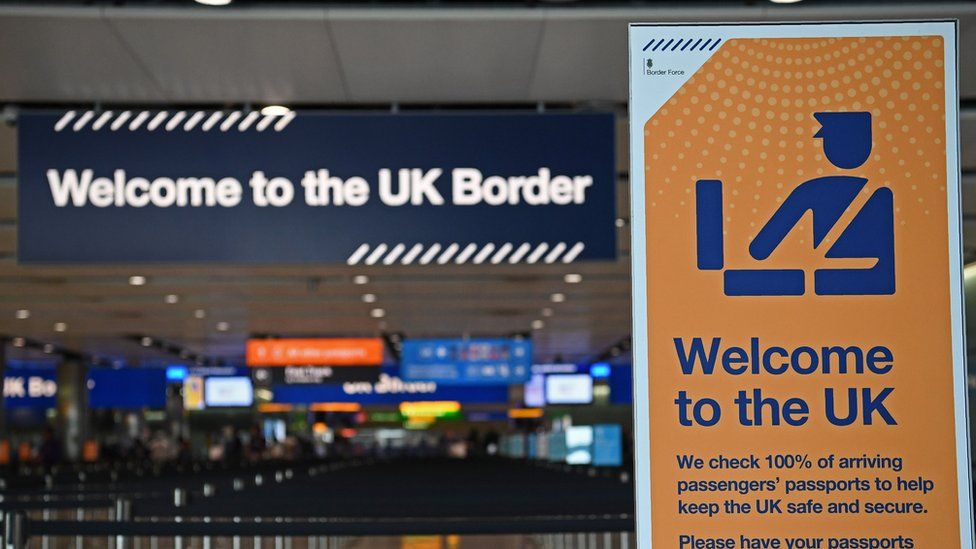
{"x":176,"y":373}
{"x":467,"y":361}
{"x":491,"y":415}
{"x":600,"y":370}
{"x":607,"y":445}
{"x":622,"y":384}
{"x":30,"y":385}
{"x":127,"y":388}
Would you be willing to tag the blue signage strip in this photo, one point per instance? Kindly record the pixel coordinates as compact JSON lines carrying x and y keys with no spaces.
{"x":313,"y":187}
{"x":467,"y":361}
{"x":30,"y":385}
{"x":127,"y":388}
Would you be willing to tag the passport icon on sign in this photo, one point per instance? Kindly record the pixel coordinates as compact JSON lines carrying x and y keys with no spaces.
{"x":847,"y":142}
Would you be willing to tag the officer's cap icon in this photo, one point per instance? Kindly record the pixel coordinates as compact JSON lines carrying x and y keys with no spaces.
{"x":846,"y":137}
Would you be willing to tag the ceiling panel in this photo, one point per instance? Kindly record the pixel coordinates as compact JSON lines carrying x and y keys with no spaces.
{"x":266,"y":56}
{"x":67,"y":54}
{"x":421,"y":56}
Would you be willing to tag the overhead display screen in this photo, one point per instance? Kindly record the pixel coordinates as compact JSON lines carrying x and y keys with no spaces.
{"x":228,"y":392}
{"x":315,"y":187}
{"x":569,"y":389}
{"x":467,"y":361}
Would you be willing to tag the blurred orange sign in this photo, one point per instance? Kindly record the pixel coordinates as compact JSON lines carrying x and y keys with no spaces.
{"x":366,"y":351}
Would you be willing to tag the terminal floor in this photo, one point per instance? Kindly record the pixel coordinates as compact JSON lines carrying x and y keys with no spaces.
{"x":418,"y":488}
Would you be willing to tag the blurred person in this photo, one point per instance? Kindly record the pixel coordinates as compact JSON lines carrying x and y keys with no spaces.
{"x":256,"y":445}
{"x":49,"y":452}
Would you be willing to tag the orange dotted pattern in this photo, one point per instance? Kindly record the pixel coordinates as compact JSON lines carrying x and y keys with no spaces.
{"x":746,"y":118}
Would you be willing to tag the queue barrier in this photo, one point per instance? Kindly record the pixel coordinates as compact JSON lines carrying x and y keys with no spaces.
{"x":559,"y":532}
{"x":103,"y":516}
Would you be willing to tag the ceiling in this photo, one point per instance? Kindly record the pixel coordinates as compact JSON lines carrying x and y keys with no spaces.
{"x":350,"y":57}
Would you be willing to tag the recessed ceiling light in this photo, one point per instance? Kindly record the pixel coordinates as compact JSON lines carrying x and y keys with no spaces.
{"x":369,"y":298}
{"x":546,"y":311}
{"x":275,"y":110}
{"x":146,"y":341}
{"x":620,"y":222}
{"x":538,"y":324}
{"x":223,"y":326}
{"x":377,"y":313}
{"x":573,"y":278}
{"x":19,"y":342}
{"x":360,"y":279}
{"x":22,"y":314}
{"x":60,"y":327}
{"x":214,"y":2}
{"x":558,"y":298}
{"x":172,"y":298}
{"x":200,"y":313}
{"x":137,"y":280}
{"x":48,"y":348}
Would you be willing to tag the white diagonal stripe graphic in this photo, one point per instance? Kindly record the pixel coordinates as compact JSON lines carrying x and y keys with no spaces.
{"x":248,"y":120}
{"x":212,"y":121}
{"x":358,"y":254}
{"x":101,"y":120}
{"x":448,"y":254}
{"x":265,"y":122}
{"x":554,"y":254}
{"x":394,"y":254}
{"x":537,"y":253}
{"x":83,"y":120}
{"x":376,"y":254}
{"x":466,"y":253}
{"x":412,"y":254}
{"x":285,"y":120}
{"x":157,"y":120}
{"x":501,"y":253}
{"x":123,"y":116}
{"x":573,"y":252}
{"x":229,"y":121}
{"x":138,"y":120}
{"x":484,"y":253}
{"x":63,"y":121}
{"x":521,"y":251}
{"x":429,"y":254}
{"x":175,"y":121}
{"x":194,"y":120}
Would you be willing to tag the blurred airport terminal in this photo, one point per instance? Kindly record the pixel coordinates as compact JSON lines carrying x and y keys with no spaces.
{"x":226,"y":378}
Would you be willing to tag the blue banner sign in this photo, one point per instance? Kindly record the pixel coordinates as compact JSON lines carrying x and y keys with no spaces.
{"x":467,"y":361}
{"x":127,"y":388}
{"x":30,"y":385}
{"x":313,"y":187}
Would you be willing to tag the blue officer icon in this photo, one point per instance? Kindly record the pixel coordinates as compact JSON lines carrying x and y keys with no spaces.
{"x":847,"y":142}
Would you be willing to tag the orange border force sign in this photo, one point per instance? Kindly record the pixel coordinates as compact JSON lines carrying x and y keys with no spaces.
{"x":799,"y":346}
{"x":315,"y":352}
